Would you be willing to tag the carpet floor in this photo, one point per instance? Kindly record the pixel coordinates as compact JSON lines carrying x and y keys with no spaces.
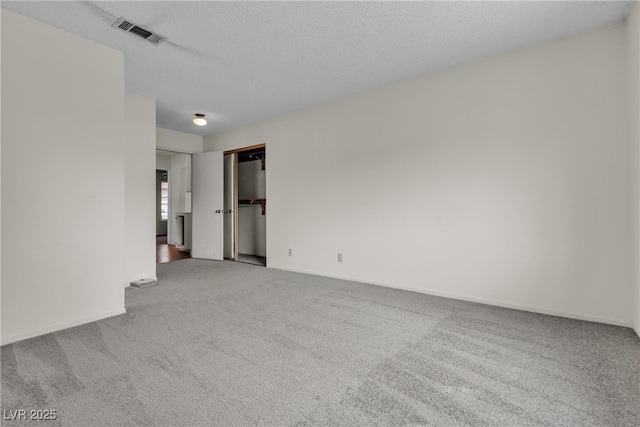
{"x":224,"y":343}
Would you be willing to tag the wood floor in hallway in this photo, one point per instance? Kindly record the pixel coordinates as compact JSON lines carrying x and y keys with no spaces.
{"x":168,"y":253}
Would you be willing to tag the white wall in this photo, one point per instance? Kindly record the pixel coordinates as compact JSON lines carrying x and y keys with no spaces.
{"x":180,"y":142}
{"x":633,"y":44}
{"x":63,"y":179}
{"x":163,"y":161}
{"x":140,"y":200}
{"x":504,"y":181}
{"x":252,"y":230}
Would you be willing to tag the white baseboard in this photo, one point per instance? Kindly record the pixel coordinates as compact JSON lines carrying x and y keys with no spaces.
{"x":59,"y":327}
{"x":497,"y":303}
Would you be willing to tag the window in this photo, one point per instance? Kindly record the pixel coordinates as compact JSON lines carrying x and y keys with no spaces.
{"x":164,"y":200}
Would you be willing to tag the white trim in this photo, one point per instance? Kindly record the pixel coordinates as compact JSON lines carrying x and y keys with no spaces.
{"x":540,"y":310}
{"x":176,"y":151}
{"x":60,"y":326}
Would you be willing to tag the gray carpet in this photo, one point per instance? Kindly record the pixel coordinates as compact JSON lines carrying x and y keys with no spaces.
{"x":222,"y":343}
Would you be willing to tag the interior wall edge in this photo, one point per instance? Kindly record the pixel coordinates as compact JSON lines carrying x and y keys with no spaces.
{"x":77,"y":146}
{"x":481,"y":218}
{"x":178,"y":142}
{"x":633,"y":53}
{"x":459,"y":297}
{"x":174,"y":151}
{"x":59,"y":327}
{"x":140,"y":197}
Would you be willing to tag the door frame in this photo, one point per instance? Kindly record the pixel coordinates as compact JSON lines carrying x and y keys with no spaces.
{"x":234,"y":204}
{"x":235,"y":153}
{"x":169,"y":210}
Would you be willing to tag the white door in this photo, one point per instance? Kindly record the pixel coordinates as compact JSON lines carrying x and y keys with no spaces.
{"x":207,"y":205}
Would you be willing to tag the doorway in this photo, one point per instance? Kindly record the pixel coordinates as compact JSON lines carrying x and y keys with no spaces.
{"x":173,"y":206}
{"x":245,"y":205}
{"x":162,"y":202}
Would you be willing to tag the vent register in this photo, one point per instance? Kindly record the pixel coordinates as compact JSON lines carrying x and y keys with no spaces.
{"x":130,"y":27}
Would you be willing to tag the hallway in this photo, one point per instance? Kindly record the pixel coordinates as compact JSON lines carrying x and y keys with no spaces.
{"x":168,"y":253}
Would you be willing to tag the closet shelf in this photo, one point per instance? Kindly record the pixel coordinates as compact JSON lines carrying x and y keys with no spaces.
{"x":262,"y":202}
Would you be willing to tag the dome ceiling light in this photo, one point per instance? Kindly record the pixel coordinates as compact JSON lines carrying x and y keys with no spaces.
{"x":199,"y":120}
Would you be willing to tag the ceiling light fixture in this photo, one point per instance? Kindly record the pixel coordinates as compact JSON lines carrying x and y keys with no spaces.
{"x":199,"y":120}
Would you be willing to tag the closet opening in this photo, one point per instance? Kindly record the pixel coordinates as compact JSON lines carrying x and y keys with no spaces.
{"x":245,"y":205}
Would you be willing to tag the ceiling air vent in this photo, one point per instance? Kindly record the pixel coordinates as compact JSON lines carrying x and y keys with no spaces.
{"x":130,"y":27}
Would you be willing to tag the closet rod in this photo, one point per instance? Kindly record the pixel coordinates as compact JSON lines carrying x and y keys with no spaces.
{"x":247,"y":202}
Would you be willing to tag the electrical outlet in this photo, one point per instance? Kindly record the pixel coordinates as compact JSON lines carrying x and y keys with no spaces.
{"x":290,"y":252}
{"x":339,"y":257}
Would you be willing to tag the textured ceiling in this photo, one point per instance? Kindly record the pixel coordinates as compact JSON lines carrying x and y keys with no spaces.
{"x":239,"y":62}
